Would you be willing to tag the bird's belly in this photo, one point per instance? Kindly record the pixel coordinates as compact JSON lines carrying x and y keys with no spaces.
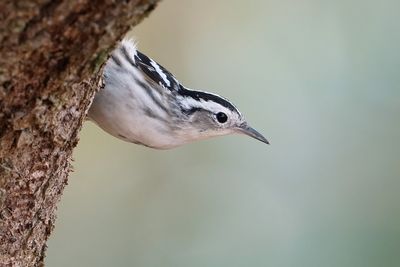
{"x":134,"y":127}
{"x":149,"y":133}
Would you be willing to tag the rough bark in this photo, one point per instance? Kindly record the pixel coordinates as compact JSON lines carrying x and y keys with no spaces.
{"x":51,"y":52}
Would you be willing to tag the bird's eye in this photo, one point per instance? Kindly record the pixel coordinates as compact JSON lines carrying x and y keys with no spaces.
{"x":221,"y":117}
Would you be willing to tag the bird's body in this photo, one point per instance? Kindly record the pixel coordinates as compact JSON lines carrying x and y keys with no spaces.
{"x":143,"y":103}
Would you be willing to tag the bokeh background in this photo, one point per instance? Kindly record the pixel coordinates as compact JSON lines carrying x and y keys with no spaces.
{"x":320,"y":79}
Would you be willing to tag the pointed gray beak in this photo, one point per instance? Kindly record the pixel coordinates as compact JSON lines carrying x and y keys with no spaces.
{"x":247,"y":130}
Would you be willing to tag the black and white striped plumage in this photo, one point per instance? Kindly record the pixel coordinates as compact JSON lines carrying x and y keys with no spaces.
{"x":143,"y":103}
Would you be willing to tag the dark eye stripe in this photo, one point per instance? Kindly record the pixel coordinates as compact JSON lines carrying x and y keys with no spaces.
{"x":191,"y":110}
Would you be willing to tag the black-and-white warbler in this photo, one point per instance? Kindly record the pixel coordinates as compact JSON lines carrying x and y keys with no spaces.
{"x":143,"y":103}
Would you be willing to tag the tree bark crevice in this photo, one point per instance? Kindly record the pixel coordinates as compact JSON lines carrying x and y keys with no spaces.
{"x":51,"y":54}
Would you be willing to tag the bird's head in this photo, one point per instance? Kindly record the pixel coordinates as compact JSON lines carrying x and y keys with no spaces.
{"x":204,"y":115}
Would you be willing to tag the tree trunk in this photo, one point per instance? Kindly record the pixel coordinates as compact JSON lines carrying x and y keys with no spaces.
{"x":51,"y":53}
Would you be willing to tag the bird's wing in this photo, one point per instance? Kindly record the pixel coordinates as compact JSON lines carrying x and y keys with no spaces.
{"x":127,"y":55}
{"x":156,"y":72}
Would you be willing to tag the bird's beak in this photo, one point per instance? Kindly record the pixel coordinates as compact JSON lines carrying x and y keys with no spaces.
{"x":247,"y":130}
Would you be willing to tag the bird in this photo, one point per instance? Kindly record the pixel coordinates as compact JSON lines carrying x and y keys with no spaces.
{"x":143,"y":103}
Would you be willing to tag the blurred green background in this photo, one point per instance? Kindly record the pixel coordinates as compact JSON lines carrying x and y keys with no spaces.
{"x":320,"y":79}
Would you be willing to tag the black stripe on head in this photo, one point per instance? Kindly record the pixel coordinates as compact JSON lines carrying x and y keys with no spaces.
{"x":197,"y":95}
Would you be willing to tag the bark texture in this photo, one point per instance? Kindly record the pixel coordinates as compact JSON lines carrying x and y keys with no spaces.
{"x":51,"y":52}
